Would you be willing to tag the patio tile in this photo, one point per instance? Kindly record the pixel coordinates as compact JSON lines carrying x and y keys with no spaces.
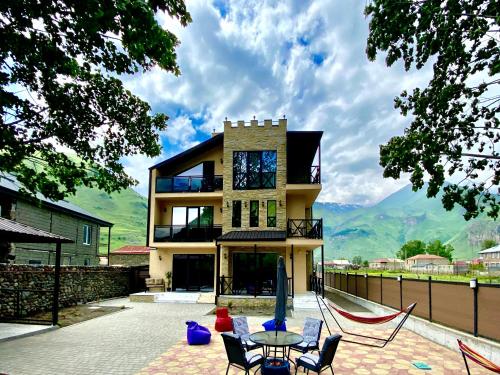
{"x":395,"y":358}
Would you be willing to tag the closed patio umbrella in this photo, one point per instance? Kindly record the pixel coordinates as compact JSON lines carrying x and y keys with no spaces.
{"x":281,"y":294}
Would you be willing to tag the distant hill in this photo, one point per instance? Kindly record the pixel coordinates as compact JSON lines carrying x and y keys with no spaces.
{"x":380,"y":230}
{"x":127,"y":210}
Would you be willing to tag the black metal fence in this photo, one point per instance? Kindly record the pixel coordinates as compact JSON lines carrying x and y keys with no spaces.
{"x":471,"y":307}
{"x":305,"y":228}
{"x":234,"y":286}
{"x":19,"y":304}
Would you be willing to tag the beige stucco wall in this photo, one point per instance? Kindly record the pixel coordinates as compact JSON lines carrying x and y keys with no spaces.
{"x":238,"y":137}
{"x":296,"y":207}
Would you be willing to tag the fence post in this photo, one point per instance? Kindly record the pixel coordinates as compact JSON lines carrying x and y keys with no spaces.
{"x":430,"y":299}
{"x":356,"y":283}
{"x":400,"y":279}
{"x":366,"y":286}
{"x":475,"y":286}
{"x":381,"y":290}
{"x":347,"y":282}
{"x":334,"y":274}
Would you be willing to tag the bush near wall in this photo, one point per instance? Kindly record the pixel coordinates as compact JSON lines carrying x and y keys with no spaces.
{"x":30,"y":288}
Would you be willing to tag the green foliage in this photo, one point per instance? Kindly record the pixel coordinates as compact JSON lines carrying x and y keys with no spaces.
{"x":438,"y":248}
{"x":168,"y":276}
{"x":58,"y":66}
{"x":410,"y":249}
{"x":486,"y":244}
{"x":365,"y":264}
{"x":455,"y":123}
{"x":357,"y":260}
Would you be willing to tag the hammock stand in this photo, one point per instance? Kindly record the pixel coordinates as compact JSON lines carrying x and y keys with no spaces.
{"x":381,"y":342}
{"x":476,"y":357}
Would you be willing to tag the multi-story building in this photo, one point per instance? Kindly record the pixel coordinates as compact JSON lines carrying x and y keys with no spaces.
{"x":222,"y":212}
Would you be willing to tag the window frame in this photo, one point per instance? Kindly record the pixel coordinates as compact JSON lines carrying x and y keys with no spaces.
{"x":236,"y":218}
{"x":253,"y":222}
{"x":87,"y":235}
{"x":252,"y":171}
{"x":271,"y":220}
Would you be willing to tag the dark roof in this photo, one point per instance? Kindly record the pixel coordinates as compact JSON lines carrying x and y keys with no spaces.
{"x":189,"y":153}
{"x":12,"y":231}
{"x":254,"y":235}
{"x":9,"y":184}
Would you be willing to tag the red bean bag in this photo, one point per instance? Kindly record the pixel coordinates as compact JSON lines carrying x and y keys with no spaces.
{"x":223,"y":323}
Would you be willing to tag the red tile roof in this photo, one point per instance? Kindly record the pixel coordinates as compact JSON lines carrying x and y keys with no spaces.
{"x":128,"y":249}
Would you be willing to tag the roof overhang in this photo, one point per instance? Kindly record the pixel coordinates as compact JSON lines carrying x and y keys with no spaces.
{"x":12,"y":231}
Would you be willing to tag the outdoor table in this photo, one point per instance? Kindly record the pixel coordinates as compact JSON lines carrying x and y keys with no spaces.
{"x":279,"y":339}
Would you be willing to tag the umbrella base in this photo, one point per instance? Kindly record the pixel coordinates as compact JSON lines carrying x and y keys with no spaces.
{"x":276,"y":366}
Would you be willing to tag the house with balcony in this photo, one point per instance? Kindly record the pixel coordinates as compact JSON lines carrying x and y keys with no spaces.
{"x":221,"y":213}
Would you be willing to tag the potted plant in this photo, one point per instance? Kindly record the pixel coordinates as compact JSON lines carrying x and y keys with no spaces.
{"x":168,"y":276}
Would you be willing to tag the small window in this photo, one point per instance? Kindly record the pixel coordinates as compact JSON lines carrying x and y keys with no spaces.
{"x":32,"y":261}
{"x":87,"y":234}
{"x":271,"y":213}
{"x":254,"y":213}
{"x":86,"y":262}
{"x":236,"y":214}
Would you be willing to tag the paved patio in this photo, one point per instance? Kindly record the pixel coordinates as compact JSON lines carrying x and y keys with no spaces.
{"x":396,"y":358}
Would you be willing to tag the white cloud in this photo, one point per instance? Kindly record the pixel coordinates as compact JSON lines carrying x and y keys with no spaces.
{"x":259,"y":60}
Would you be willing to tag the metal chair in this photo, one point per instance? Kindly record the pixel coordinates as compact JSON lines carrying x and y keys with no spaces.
{"x":238,"y":357}
{"x":311,"y":334}
{"x":240,"y":328}
{"x":324,"y":360}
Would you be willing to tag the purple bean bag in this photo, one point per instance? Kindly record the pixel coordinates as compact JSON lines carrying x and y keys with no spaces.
{"x":196,"y":334}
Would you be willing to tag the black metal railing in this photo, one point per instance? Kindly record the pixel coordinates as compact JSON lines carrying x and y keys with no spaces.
{"x":187,"y":233}
{"x":313,"y":177}
{"x":234,"y":286}
{"x":188,"y":184}
{"x":18,"y":305}
{"x":305,"y":228}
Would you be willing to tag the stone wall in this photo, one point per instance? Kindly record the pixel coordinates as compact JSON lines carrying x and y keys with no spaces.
{"x":78,"y":284}
{"x":129,"y":259}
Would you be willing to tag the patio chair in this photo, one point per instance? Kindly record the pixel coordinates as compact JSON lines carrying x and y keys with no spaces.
{"x":311,"y":334}
{"x":238,"y":357}
{"x":476,"y":357}
{"x":240,"y":328}
{"x":324,"y":360}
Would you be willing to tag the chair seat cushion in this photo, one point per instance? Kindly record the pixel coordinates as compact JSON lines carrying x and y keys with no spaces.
{"x":310,"y":359}
{"x":253,"y":358}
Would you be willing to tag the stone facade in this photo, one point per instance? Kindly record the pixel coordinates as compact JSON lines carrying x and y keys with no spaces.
{"x":78,"y":284}
{"x":128,"y":259}
{"x":255,"y":137}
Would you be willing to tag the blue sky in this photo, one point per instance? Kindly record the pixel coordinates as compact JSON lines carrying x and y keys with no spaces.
{"x":302,"y":59}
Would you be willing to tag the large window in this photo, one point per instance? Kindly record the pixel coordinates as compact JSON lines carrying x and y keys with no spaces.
{"x":236,"y":223}
{"x":254,"y":170}
{"x":193,"y":216}
{"x":271,"y":213}
{"x":87,"y":234}
{"x":254,"y":213}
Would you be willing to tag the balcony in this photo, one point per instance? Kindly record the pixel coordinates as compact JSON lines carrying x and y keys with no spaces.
{"x":187,"y":233}
{"x":188,"y":184}
{"x":305,"y":228}
{"x":311,"y":176}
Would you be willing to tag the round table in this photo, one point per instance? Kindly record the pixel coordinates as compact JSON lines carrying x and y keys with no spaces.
{"x":279,"y":339}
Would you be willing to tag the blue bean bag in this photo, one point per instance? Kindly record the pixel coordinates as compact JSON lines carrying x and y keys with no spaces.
{"x":196,"y":334}
{"x":270,"y":326}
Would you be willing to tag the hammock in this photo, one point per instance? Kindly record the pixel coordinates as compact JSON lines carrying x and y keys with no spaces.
{"x":380,"y":342}
{"x":476,"y":357}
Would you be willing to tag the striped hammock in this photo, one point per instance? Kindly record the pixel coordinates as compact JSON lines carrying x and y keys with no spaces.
{"x":476,"y":357}
{"x":368,"y":320}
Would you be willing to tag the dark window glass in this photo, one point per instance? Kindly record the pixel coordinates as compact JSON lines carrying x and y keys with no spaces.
{"x":236,"y":214}
{"x":31,"y":261}
{"x":254,"y":170}
{"x":271,"y":213}
{"x":254,"y":213}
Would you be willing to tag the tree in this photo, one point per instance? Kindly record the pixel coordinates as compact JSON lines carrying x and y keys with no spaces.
{"x":357,"y":260}
{"x":454,"y":122}
{"x":365,"y":264}
{"x":59,"y":67}
{"x":411,"y":248}
{"x":438,"y":248}
{"x":486,"y":244}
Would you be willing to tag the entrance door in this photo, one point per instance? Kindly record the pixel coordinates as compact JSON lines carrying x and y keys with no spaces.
{"x":255,"y":273}
{"x":193,"y":272}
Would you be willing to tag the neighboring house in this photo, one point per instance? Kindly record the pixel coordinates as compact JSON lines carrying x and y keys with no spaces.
{"x":130,"y":256}
{"x":387,"y":264}
{"x":222,"y":212}
{"x":61,"y":217}
{"x":341,"y":264}
{"x":426,"y":261}
{"x":491,"y":257}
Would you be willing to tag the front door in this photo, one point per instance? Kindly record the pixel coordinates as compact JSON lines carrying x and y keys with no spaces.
{"x":193,"y":272}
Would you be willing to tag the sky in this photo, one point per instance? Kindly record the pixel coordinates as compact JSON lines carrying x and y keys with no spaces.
{"x":301,"y":59}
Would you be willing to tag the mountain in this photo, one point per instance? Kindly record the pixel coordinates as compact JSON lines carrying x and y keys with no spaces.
{"x":380,"y":230}
{"x":127,"y":210}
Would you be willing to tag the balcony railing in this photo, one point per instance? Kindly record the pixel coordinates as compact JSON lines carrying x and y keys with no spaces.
{"x":305,"y":228}
{"x":313,"y":177}
{"x":235,"y":286}
{"x":187,"y":233}
{"x":188,"y":184}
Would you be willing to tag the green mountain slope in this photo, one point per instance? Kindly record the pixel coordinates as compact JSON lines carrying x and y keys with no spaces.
{"x":380,"y":230}
{"x":127,"y":210}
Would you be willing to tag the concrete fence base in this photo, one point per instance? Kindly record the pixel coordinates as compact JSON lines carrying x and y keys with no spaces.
{"x":432,"y":331}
